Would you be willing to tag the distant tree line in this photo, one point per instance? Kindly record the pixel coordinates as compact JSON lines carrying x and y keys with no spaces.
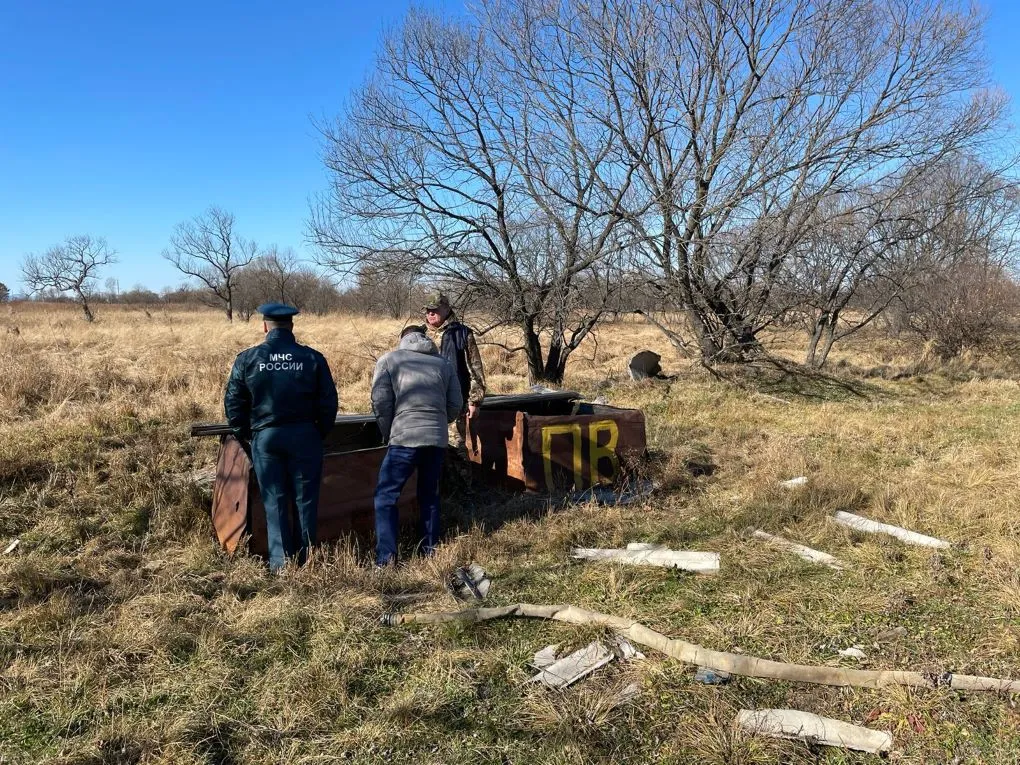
{"x":206,"y":250}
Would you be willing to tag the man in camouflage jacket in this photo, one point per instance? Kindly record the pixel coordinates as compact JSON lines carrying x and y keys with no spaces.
{"x":456,"y":343}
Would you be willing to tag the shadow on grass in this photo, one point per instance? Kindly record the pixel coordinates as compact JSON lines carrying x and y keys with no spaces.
{"x":784,"y":379}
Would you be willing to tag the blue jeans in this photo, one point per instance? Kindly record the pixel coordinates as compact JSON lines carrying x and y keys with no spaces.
{"x":288,"y":466}
{"x":396,"y":468}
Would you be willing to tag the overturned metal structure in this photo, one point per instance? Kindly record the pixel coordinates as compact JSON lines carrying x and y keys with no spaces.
{"x":353,"y":453}
{"x":553,"y":441}
{"x":547,"y":441}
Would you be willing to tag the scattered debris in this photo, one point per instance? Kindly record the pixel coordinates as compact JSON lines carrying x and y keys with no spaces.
{"x":152,"y":565}
{"x":702,"y":562}
{"x":746,"y":666}
{"x":711,"y":676}
{"x":571,"y":668}
{"x":645,"y":546}
{"x":859,"y":523}
{"x":644,"y":364}
{"x":793,"y":483}
{"x":793,"y":724}
{"x":469,"y":582}
{"x":545,"y":657}
{"x":890,"y":634}
{"x":807,"y":553}
{"x":626,"y":650}
{"x":608,"y":495}
{"x":12,"y":547}
{"x":561,"y":672}
{"x":853,"y":653}
{"x":600,"y":401}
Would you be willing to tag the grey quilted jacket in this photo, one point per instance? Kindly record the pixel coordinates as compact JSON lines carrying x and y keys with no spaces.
{"x":415,"y":394}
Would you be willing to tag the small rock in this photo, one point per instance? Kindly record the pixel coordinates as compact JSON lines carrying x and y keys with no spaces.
{"x":853,"y":653}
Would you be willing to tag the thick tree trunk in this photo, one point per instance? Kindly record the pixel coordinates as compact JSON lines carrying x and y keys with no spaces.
{"x":533,"y":351}
{"x":706,"y":343}
{"x":816,"y":336}
{"x":544,"y":368}
{"x":827,"y":340}
{"x":823,"y":335}
{"x":555,"y":362}
{"x":86,"y":308}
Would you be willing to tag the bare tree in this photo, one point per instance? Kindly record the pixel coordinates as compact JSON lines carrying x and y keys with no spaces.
{"x":281,"y":267}
{"x":72,"y":267}
{"x":5,"y":293}
{"x":208,"y":249}
{"x":874,"y":248}
{"x":476,"y":157}
{"x":278,"y":275}
{"x":964,"y":290}
{"x":760,"y":111}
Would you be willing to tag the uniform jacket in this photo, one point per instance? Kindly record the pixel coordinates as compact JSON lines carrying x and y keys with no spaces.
{"x":415,"y":394}
{"x":280,"y":383}
{"x":456,"y":343}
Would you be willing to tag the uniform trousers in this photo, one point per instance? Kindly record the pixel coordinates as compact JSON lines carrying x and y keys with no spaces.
{"x":288,"y":465}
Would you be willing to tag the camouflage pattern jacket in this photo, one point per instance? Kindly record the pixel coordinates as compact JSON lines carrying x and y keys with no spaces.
{"x":456,"y":342}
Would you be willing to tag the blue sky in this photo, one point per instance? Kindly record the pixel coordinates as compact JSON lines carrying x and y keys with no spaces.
{"x":121,"y":119}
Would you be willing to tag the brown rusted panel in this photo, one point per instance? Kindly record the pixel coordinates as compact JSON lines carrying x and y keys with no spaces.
{"x":346,"y":498}
{"x":230,"y":494}
{"x":596,"y":446}
{"x":494,"y":441}
{"x":585,"y":443}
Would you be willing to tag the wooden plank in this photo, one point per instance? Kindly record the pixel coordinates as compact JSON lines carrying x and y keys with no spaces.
{"x":701,"y":562}
{"x":807,"y":553}
{"x":859,"y":523}
{"x":794,"y":724}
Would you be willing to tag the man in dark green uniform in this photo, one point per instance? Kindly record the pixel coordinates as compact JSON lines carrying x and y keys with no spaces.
{"x":282,"y":398}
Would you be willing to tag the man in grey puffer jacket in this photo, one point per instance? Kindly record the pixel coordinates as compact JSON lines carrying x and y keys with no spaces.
{"x":415,"y":395}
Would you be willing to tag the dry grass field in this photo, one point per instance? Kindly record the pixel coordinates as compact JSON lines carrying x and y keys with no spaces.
{"x":127,"y":636}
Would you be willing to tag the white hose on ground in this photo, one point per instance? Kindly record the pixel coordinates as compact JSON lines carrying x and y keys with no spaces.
{"x":736,"y":664}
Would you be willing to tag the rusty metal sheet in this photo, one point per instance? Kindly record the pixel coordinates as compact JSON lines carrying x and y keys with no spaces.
{"x":346,"y":499}
{"x":582,"y":446}
{"x":582,"y":450}
{"x":494,"y":443}
{"x":230,"y":494}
